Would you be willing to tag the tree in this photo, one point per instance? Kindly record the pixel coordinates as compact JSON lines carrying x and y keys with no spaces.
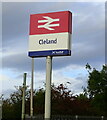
{"x":91,"y":102}
{"x":97,"y":88}
{"x":12,"y":106}
{"x":39,"y":101}
{"x":61,"y":100}
{"x":65,"y":103}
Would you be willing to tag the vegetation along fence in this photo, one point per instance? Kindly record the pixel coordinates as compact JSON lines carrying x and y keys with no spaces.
{"x":58,"y":117}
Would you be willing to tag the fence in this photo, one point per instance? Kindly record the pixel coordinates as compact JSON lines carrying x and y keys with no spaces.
{"x":60,"y":117}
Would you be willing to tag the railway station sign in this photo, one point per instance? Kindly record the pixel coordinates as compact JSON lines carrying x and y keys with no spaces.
{"x":50,"y":34}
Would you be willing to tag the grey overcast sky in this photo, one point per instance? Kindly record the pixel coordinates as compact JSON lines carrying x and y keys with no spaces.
{"x":88,"y":44}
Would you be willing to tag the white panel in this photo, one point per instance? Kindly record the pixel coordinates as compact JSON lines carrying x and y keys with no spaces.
{"x":54,"y":41}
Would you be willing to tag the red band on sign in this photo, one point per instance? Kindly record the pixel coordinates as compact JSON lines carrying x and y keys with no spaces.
{"x":56,"y":22}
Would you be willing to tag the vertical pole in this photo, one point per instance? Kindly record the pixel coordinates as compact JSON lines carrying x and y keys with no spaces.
{"x":48,"y":88}
{"x":76,"y":117}
{"x":102,"y":117}
{"x":32,"y":79}
{"x":23,"y":97}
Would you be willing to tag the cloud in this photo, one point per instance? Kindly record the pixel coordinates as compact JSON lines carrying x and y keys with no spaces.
{"x":53,"y":1}
{"x":73,"y":74}
{"x":88,"y":43}
{"x":75,"y":77}
{"x":6,"y":93}
{"x":58,"y":77}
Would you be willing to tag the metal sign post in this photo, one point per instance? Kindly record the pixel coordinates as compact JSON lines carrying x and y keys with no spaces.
{"x":23,"y":97}
{"x":32,"y":79}
{"x":48,"y":88}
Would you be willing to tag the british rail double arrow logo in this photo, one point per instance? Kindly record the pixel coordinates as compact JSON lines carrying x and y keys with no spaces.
{"x":48,"y":23}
